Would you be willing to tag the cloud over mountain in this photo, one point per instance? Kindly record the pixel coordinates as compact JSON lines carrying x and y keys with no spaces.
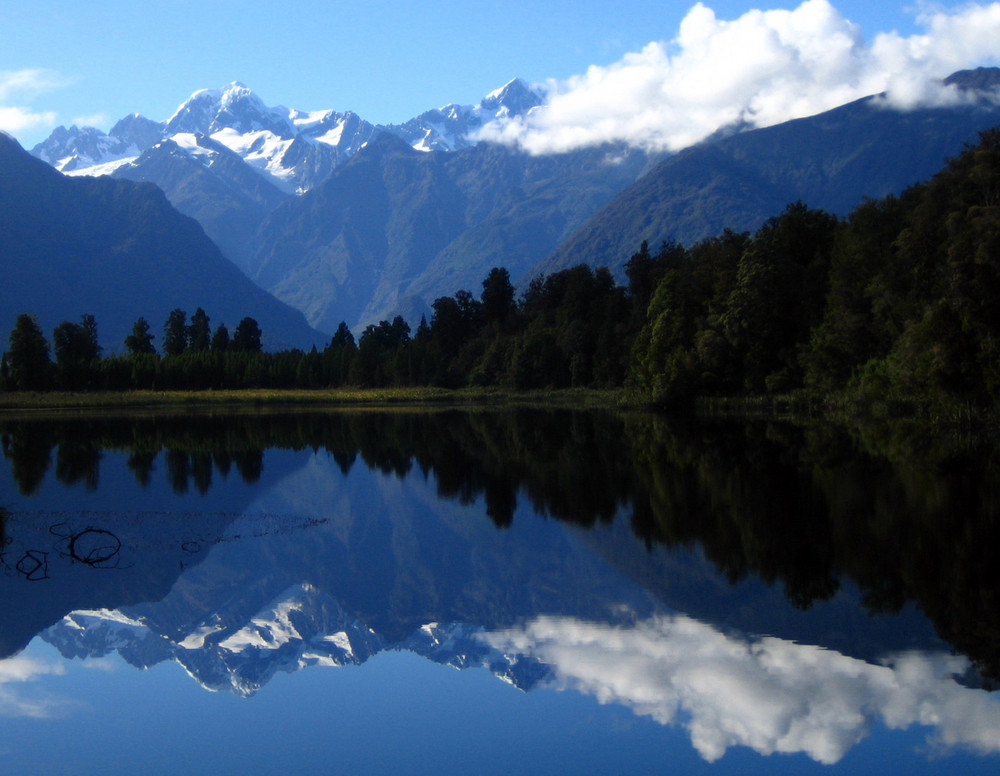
{"x":25,"y":85}
{"x":760,"y":69}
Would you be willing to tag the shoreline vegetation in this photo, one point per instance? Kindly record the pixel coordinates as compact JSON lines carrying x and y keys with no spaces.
{"x":795,"y":408}
{"x":313,"y":398}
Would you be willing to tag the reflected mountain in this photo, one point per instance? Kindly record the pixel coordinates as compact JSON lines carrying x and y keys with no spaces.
{"x":803,"y":566}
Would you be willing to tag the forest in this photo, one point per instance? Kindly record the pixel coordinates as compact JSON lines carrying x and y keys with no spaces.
{"x":893,"y":305}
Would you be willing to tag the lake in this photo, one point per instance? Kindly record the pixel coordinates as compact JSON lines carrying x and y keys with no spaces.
{"x":495,"y":591}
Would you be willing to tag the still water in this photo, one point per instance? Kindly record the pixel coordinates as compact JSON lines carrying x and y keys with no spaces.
{"x":495,"y":592}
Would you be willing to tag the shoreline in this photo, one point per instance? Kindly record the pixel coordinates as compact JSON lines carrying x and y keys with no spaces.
{"x":320,"y":398}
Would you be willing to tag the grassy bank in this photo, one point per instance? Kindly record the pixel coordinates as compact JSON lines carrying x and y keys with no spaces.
{"x":318,"y":398}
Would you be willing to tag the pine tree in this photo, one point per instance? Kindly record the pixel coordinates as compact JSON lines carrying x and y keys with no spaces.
{"x":28,"y":358}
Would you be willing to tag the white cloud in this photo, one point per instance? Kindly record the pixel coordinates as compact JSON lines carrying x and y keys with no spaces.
{"x":18,"y":119}
{"x":29,"y":83}
{"x":768,"y":694}
{"x":93,"y":120}
{"x":26,"y":85}
{"x":762,"y":68}
{"x":21,"y":669}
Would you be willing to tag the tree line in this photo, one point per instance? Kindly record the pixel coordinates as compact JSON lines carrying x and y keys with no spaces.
{"x":895,"y":303}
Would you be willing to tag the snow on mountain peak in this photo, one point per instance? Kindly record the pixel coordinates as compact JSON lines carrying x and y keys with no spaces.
{"x":291,"y":148}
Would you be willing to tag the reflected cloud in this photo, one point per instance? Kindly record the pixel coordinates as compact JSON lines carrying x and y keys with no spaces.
{"x":767,"y":694}
{"x":22,"y":669}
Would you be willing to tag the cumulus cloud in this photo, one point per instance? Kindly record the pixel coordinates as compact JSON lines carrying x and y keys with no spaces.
{"x":25,"y":85}
{"x":19,"y":119}
{"x":21,"y":669}
{"x":768,"y":694}
{"x":762,"y":68}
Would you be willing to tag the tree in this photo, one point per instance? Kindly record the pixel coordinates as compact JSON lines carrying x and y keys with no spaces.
{"x":140,"y":341}
{"x":199,"y":333}
{"x":339,"y":355}
{"x":247,"y":336}
{"x":220,"y":339}
{"x":76,"y":349}
{"x":498,"y":296}
{"x":28,"y":358}
{"x":175,"y":333}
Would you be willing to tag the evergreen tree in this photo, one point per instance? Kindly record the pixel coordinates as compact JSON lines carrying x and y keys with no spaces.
{"x":339,"y":355}
{"x":140,"y":341}
{"x":28,"y":358}
{"x":199,"y":333}
{"x":175,"y":333}
{"x":76,"y":350}
{"x":247,"y":336}
{"x":498,"y":296}
{"x":220,"y":339}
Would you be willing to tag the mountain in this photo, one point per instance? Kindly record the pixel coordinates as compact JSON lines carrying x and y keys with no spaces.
{"x":454,"y":127}
{"x":830,"y":161}
{"x":226,"y":159}
{"x":210,"y":183}
{"x":117,"y":250}
{"x":394,"y":229}
{"x":295,"y":150}
{"x":348,"y":221}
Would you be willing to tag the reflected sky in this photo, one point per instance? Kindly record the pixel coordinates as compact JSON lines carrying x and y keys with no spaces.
{"x":368,"y":609}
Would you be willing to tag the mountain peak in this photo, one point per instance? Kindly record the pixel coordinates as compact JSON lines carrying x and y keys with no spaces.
{"x":516,"y":96}
{"x":235,"y":106}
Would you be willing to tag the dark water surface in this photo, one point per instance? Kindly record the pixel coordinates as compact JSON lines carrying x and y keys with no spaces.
{"x":495,"y":592}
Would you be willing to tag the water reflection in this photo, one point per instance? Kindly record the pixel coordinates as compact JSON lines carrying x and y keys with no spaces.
{"x":769,"y":694}
{"x":245,"y":546}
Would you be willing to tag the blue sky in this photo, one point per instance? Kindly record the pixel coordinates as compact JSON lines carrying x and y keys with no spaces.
{"x":387,"y":60}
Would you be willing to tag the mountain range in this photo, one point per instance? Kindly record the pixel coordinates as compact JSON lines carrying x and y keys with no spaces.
{"x":345,"y":220}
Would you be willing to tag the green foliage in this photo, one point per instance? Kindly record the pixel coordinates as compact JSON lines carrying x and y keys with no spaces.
{"x":76,"y":351}
{"x":28,"y":359}
{"x":140,"y":341}
{"x":199,"y":333}
{"x":175,"y":333}
{"x":896,"y":305}
{"x":247,"y":336}
{"x":220,"y":339}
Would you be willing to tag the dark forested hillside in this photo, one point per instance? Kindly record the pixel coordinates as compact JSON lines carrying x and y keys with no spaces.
{"x":116,"y":250}
{"x":895,"y":306}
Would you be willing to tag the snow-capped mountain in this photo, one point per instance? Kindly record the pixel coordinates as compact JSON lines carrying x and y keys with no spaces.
{"x":293,"y":149}
{"x":454,"y":126}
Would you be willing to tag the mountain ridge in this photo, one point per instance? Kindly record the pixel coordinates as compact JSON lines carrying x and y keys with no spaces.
{"x":262,"y":135}
{"x":830,"y":161}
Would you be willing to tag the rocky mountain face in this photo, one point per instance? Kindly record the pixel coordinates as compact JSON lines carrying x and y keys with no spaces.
{"x":117,"y":250}
{"x":226,"y":159}
{"x":394,"y":229}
